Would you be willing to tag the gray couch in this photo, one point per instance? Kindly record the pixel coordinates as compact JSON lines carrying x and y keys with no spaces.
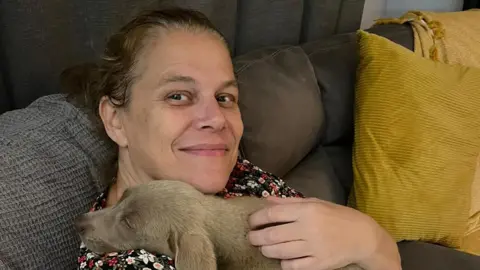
{"x":296,"y":61}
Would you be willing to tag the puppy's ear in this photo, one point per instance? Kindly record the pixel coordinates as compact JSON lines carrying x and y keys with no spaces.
{"x":194,"y":251}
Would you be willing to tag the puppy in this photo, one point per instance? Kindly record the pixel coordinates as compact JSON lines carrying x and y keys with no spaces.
{"x":173,"y":218}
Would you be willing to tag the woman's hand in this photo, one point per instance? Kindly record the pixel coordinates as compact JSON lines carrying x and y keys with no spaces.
{"x":318,"y":235}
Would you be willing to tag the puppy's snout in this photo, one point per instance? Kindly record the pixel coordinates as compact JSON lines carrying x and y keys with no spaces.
{"x":82,"y":224}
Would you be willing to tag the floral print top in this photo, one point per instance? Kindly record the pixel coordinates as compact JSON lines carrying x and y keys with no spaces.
{"x":246,"y":179}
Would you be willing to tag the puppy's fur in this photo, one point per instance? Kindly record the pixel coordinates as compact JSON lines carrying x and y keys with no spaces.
{"x":173,"y":218}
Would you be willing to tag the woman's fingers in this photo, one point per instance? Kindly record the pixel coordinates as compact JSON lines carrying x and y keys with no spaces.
{"x":278,"y":213}
{"x":287,"y":250}
{"x":275,"y":235}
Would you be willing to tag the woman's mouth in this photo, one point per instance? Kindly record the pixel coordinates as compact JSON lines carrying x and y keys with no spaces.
{"x":209,"y":150}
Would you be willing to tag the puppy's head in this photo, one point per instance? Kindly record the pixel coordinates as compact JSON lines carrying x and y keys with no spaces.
{"x":149,"y":216}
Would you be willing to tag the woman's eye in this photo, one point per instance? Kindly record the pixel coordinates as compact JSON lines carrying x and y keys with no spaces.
{"x":179,"y":97}
{"x":226,"y":99}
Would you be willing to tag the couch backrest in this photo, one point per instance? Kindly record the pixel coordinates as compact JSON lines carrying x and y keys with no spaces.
{"x":38,"y":39}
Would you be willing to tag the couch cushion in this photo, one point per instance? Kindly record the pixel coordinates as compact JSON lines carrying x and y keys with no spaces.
{"x":315,"y":176}
{"x":281,"y":107}
{"x":416,"y":142}
{"x":334,"y":61}
{"x":424,"y":256}
{"x":47,"y":155}
{"x":341,"y":159}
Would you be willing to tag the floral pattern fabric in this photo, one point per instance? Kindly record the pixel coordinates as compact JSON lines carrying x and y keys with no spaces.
{"x":246,"y":179}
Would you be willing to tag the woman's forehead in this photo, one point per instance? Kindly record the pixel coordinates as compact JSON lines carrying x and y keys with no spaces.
{"x":183,"y":46}
{"x":188,"y":59}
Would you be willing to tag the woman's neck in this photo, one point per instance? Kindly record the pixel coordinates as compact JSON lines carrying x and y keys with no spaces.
{"x":123,"y":181}
{"x":113,"y":195}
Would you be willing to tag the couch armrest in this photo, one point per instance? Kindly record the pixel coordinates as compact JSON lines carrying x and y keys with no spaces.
{"x":424,"y":256}
{"x":314,"y":176}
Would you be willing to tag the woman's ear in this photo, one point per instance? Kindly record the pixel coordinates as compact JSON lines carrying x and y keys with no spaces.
{"x":111,"y":118}
{"x":195,"y":251}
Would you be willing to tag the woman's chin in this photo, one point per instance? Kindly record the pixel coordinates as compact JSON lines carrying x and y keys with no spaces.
{"x":209,"y":184}
{"x":208,"y":174}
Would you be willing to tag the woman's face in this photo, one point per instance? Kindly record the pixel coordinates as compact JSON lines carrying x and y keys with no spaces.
{"x":183,"y":121}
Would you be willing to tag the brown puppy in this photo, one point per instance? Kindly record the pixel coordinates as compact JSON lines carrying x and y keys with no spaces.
{"x":173,"y":218}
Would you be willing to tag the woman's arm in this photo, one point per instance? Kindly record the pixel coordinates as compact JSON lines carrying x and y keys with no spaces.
{"x":385,"y":254}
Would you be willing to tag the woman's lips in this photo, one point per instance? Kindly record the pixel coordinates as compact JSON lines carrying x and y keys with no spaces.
{"x":209,"y":150}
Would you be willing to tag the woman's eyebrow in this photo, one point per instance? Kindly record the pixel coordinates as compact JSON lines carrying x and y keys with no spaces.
{"x":176,"y":78}
{"x":187,"y":79}
{"x":227,"y":84}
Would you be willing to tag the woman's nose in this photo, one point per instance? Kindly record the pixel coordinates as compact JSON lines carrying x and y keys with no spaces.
{"x":211,"y":117}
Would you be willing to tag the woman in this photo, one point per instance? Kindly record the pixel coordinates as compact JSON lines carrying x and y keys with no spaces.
{"x":165,"y":94}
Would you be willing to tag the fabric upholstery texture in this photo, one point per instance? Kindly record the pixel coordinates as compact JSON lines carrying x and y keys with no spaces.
{"x":330,"y":57}
{"x":281,"y":107}
{"x":337,"y":55}
{"x":452,"y":38}
{"x":416,"y":142}
{"x":316,"y":177}
{"x":48,"y":156}
{"x":421,"y":256}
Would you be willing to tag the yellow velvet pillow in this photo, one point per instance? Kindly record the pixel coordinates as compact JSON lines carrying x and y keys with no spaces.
{"x":417,"y":139}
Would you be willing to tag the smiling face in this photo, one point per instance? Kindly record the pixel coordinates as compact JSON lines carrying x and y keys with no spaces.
{"x":183,"y":121}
